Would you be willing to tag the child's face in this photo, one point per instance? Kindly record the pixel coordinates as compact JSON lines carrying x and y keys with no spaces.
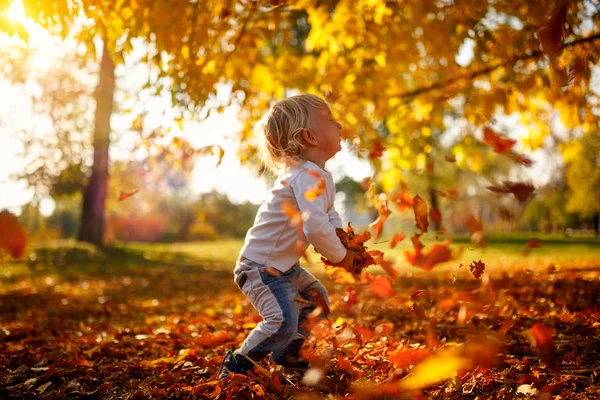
{"x":327,"y":131}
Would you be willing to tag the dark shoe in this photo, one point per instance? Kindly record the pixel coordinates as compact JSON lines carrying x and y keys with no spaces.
{"x":234,"y":364}
{"x":289,"y":357}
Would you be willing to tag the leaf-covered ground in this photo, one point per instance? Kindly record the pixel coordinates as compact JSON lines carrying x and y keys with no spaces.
{"x":148,"y":330}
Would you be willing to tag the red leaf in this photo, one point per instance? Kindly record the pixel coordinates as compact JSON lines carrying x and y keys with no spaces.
{"x":521,"y":159}
{"x":398,"y":237}
{"x":350,"y":298}
{"x":381,"y":286}
{"x":435,"y":215}
{"x":500,"y":143}
{"x":420,"y":209}
{"x":450,"y":158}
{"x":439,"y":253}
{"x":13,"y":237}
{"x":477,"y":268}
{"x":376,"y":149}
{"x":125,"y":195}
{"x":521,"y":190}
{"x":552,"y":33}
{"x":532,"y":244}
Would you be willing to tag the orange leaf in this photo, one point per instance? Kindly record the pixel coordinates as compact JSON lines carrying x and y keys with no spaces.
{"x":543,"y":336}
{"x":420,"y":209}
{"x":290,"y":210}
{"x":500,"y":143}
{"x":381,"y":286}
{"x":318,"y":189}
{"x":403,"y":200}
{"x":377,"y":225}
{"x":210,"y":339}
{"x":13,"y":237}
{"x":125,"y":195}
{"x":398,"y":237}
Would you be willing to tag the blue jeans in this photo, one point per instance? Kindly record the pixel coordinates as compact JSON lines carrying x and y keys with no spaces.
{"x":273,"y":297}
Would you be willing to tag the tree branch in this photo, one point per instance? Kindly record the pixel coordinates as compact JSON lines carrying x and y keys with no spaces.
{"x":487,"y":70}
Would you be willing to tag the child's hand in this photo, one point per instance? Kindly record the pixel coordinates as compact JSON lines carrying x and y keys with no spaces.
{"x":350,"y":260}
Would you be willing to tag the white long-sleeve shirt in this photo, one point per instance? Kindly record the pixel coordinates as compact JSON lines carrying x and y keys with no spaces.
{"x":275,"y":240}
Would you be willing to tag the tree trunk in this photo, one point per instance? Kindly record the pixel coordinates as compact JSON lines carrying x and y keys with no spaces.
{"x":596,"y":224}
{"x":92,"y":216}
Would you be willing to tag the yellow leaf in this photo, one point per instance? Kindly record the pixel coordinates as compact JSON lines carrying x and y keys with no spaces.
{"x":435,"y":369}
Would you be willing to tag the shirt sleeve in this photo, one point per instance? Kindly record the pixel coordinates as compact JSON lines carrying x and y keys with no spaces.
{"x":317,"y":227}
{"x":334,"y":218}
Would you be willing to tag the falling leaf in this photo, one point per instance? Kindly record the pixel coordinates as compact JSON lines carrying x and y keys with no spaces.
{"x":397,"y":238}
{"x":447,"y":363}
{"x":521,"y":190}
{"x":312,"y":193}
{"x":125,"y":195}
{"x":439,"y":253}
{"x":350,"y":298}
{"x":543,"y":338}
{"x":403,"y":200}
{"x":500,"y":143}
{"x":435,"y":215}
{"x":477,"y":268}
{"x":552,"y":33}
{"x":521,"y":159}
{"x":532,"y":244}
{"x":420,"y":209}
{"x":450,"y":159}
{"x":381,"y":286}
{"x":505,"y":213}
{"x":13,"y":237}
{"x":376,"y":149}
{"x":292,"y":212}
{"x":377,"y":225}
{"x":365,"y":183}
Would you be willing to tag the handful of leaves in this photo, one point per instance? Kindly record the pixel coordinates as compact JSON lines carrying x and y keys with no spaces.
{"x":355,"y":243}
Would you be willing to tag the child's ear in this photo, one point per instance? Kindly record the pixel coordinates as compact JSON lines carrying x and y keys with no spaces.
{"x":308,"y":137}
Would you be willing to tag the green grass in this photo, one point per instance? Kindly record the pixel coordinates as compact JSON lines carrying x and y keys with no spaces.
{"x":503,"y":253}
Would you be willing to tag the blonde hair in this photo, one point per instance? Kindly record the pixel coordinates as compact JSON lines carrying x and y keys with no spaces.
{"x":280,"y":130}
